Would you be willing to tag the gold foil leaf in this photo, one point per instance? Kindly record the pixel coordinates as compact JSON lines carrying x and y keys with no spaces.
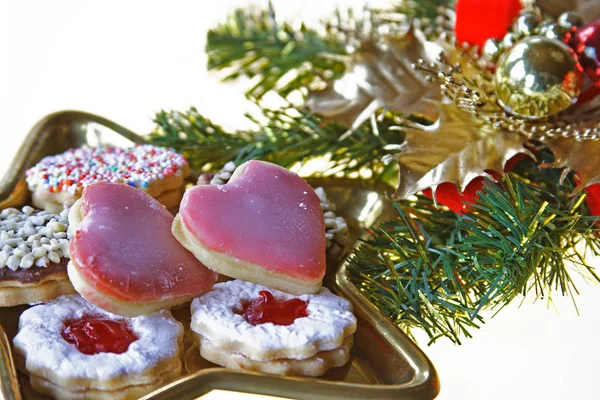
{"x":457,"y":148}
{"x":580,"y":156}
{"x":379,"y":75}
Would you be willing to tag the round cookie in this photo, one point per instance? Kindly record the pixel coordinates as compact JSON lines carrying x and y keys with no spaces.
{"x":33,"y":256}
{"x":217,"y":317}
{"x":57,"y":181}
{"x":61,"y":367}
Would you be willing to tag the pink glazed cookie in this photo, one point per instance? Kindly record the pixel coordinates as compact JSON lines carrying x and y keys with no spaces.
{"x":124,"y":258}
{"x":264,"y":226}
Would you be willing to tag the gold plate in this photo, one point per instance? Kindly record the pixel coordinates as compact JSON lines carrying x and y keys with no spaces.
{"x":384,"y":362}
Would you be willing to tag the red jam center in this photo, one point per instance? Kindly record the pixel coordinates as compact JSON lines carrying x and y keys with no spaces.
{"x":92,"y":335}
{"x":267,"y":308}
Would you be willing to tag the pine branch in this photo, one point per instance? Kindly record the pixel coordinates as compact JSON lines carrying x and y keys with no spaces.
{"x":284,"y":58}
{"x":203,"y":143}
{"x":432,"y":269}
{"x":422,"y":9}
{"x":254,"y":44}
{"x":432,"y":16}
{"x":407,"y":271}
{"x":286,"y":138}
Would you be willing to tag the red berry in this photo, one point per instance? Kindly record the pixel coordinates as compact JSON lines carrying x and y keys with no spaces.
{"x":593,"y":199}
{"x":586,"y":44}
{"x":447,"y":193}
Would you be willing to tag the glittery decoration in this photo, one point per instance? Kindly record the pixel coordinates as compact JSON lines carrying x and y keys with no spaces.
{"x":73,"y":170}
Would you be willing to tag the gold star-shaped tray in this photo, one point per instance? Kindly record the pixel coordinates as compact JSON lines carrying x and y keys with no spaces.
{"x":384,"y":362}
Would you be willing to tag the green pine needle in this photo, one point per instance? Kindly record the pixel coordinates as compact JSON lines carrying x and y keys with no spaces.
{"x":406,"y":272}
{"x":432,"y":269}
{"x":285,"y":58}
{"x":253,"y":44}
{"x":422,"y":9}
{"x":287,"y":138}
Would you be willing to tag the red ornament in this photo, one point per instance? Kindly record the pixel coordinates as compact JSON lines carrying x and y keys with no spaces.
{"x":586,"y":44}
{"x":267,"y":308}
{"x":480,"y":20}
{"x":92,"y":335}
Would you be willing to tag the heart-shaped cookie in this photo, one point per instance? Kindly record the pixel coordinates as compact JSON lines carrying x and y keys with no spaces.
{"x":264,"y":226}
{"x":124,"y":258}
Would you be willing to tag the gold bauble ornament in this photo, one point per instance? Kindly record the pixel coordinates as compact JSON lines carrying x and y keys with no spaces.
{"x":537,"y":77}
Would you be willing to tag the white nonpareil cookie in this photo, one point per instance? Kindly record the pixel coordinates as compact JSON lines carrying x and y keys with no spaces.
{"x":217,"y":316}
{"x":56,"y":366}
{"x":31,"y":238}
{"x":33,"y":256}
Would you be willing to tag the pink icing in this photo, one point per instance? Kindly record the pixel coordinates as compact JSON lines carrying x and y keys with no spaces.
{"x":124,"y":247}
{"x":267,"y":216}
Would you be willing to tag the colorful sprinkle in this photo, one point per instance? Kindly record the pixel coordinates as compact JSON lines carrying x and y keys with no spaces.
{"x":75,"y":169}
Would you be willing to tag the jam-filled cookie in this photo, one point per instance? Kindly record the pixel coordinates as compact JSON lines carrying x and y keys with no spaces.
{"x":264,"y":226}
{"x":73,"y":350}
{"x":248,"y":326}
{"x":57,"y":181}
{"x":124,"y":258}
{"x":33,"y":256}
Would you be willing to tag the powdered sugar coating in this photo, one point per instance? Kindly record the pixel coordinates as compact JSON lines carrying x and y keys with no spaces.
{"x":78,"y":168}
{"x":216,"y":315}
{"x":40,"y":341}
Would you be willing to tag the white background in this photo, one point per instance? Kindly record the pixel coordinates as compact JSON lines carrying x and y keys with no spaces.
{"x":125,"y":60}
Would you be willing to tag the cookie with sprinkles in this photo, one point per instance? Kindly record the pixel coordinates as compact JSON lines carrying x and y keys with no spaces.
{"x":57,"y":181}
{"x":33,"y":256}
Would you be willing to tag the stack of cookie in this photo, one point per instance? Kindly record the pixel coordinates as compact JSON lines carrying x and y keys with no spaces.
{"x":72,"y":349}
{"x":34,"y":243}
{"x":266,"y":228}
{"x":131,"y":261}
{"x":69,"y":347}
{"x":242,"y":325}
{"x":146,"y":269}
